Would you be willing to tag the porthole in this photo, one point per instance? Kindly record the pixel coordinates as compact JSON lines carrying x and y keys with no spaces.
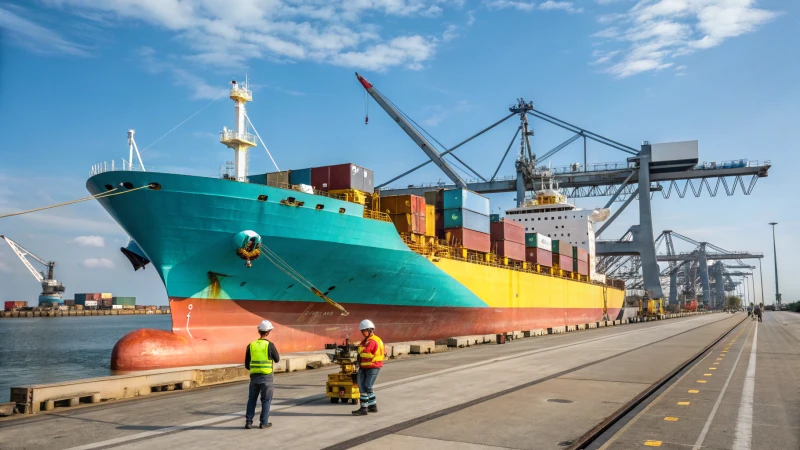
{"x":128,"y":185}
{"x":341,"y":210}
{"x":262,"y":198}
{"x":154,"y":186}
{"x":109,"y":187}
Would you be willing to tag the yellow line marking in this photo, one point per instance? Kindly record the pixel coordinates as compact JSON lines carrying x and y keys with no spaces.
{"x":716,"y":363}
{"x":683,"y":403}
{"x":652,"y":443}
{"x":706,"y":374}
{"x":712,"y":368}
{"x":693,"y":391}
{"x":719,"y":359}
{"x":671,"y":419}
{"x":701,"y":381}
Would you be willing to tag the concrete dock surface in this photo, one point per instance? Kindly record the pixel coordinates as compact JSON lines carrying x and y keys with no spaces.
{"x":539,"y":393}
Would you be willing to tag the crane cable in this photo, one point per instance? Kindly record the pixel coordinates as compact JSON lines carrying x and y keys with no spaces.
{"x":284,"y":267}
{"x":110,"y":193}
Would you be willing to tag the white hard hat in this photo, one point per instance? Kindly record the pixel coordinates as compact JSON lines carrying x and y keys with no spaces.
{"x":265,"y":325}
{"x":365,"y":324}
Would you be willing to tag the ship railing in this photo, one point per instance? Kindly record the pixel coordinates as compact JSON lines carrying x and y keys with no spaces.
{"x":111,"y":166}
{"x":376,"y":215}
{"x":233,"y":135}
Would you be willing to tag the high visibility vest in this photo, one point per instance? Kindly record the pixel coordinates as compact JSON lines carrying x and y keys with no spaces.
{"x":260,"y":364}
{"x":368,"y":360}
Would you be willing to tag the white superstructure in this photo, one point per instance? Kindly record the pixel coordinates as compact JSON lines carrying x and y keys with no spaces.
{"x":550,"y":215}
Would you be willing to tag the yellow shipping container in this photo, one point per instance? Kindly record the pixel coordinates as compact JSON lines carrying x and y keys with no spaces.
{"x":350,"y":195}
{"x":430,"y":220}
{"x":106,"y":295}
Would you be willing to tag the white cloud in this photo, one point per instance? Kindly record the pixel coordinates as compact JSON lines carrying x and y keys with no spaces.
{"x":470,"y":18}
{"x":530,"y":6}
{"x":564,"y":6}
{"x":450,"y":33}
{"x":503,"y":4}
{"x":90,"y":241}
{"x":98,"y":263}
{"x":438,"y":113}
{"x":218,"y":33}
{"x":37,"y":38}
{"x":654,"y":32}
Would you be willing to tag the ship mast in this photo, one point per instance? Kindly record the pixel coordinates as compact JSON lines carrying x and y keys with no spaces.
{"x":239,"y":139}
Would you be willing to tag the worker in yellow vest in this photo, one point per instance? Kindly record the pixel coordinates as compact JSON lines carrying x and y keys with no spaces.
{"x":259,"y":359}
{"x":370,"y":359}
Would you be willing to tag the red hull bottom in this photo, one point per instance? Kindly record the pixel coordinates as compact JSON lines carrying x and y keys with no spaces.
{"x":207,"y":331}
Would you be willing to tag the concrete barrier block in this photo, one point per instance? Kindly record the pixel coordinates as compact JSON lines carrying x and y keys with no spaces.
{"x":7,"y":409}
{"x":489,"y":338}
{"x":421,"y":347}
{"x":95,"y":398}
{"x":556,"y":330}
{"x":571,"y":328}
{"x":397,"y":349}
{"x":591,"y":325}
{"x":536,"y":332}
{"x":464,"y":341}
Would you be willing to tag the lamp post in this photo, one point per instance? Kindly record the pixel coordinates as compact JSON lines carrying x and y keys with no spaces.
{"x":775,"y":254}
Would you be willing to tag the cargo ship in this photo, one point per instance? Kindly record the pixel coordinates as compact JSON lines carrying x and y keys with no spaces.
{"x":316,"y":251}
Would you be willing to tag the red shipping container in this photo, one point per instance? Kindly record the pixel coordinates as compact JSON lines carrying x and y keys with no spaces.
{"x":583,"y":267}
{"x":510,"y":250}
{"x":563,"y":262}
{"x":473,"y":240}
{"x":321,"y":178}
{"x":508,"y":230}
{"x":535,"y":255}
{"x":421,"y":224}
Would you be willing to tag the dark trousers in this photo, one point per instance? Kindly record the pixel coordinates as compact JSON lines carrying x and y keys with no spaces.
{"x":259,"y":387}
{"x":366,"y":379}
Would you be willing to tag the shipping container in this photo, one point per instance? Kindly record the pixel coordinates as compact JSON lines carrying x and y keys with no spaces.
{"x":473,"y":240}
{"x":106,"y":295}
{"x":90,"y":304}
{"x":580,"y":254}
{"x":123,"y":301}
{"x":259,"y":178}
{"x":300,"y":176}
{"x":494,"y":218}
{"x":408,"y":223}
{"x":510,"y":249}
{"x":138,"y":307}
{"x":536,"y":255}
{"x":562,"y":248}
{"x":69,"y":302}
{"x":439,"y":224}
{"x":431,"y":199}
{"x":562,"y":262}
{"x":343,"y":176}
{"x":116,"y":306}
{"x":582,"y":267}
{"x":464,"y":199}
{"x":508,"y":230}
{"x":14,"y":304}
{"x":403,"y":204}
{"x":430,"y":220}
{"x":536,"y":240}
{"x":465,"y":218}
{"x":278,"y":178}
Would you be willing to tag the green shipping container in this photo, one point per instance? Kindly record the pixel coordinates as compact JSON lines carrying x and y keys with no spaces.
{"x":124,"y":301}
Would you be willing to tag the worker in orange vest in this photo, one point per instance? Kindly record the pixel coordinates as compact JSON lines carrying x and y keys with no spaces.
{"x":370,"y":358}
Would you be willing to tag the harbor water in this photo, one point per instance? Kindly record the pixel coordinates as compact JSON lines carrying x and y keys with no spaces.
{"x":49,"y":349}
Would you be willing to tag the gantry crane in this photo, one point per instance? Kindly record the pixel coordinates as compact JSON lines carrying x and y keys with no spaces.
{"x":51,"y":288}
{"x":636,"y":179}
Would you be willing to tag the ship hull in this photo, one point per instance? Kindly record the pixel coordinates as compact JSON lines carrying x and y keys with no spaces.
{"x":211,"y":331}
{"x":187,"y":228}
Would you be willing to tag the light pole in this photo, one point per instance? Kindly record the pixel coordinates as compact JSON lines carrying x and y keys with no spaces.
{"x":761,"y":278}
{"x":775,"y":254}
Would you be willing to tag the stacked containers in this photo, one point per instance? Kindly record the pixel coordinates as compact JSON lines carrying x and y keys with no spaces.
{"x":430,"y":220}
{"x":562,"y":255}
{"x":342,"y":176}
{"x":539,"y":249}
{"x":124,"y":301}
{"x":14,"y":305}
{"x":271,"y":179}
{"x":465,"y":219}
{"x":580,"y":261}
{"x":508,"y":237}
{"x":406,"y":211}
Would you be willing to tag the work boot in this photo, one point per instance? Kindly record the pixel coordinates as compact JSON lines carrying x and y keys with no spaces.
{"x":372,"y":408}
{"x":361,"y":411}
{"x":248,"y":425}
{"x":264,"y":425}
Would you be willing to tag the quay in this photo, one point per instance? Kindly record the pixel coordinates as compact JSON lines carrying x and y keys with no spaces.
{"x":79,"y":312}
{"x":702,"y":380}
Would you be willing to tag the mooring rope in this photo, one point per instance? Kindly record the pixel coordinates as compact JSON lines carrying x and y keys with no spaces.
{"x":110,"y":193}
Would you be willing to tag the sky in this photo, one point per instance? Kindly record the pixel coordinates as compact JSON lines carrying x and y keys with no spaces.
{"x":75,"y":75}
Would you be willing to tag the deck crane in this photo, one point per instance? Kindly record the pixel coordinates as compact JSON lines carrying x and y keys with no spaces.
{"x":51,"y":288}
{"x":412,"y":132}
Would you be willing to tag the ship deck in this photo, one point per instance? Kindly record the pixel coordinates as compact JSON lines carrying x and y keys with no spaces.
{"x":555,"y":391}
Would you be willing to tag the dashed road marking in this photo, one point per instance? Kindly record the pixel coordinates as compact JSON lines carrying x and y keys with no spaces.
{"x":653,"y":443}
{"x":701,"y":381}
{"x":693,"y":391}
{"x":671,"y":419}
{"x":683,"y":403}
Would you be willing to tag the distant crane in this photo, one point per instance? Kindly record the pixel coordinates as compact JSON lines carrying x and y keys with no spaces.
{"x":51,"y":288}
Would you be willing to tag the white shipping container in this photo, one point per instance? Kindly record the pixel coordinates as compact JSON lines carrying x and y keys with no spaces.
{"x":675,"y":151}
{"x":90,"y":303}
{"x":116,"y":306}
{"x":543,"y":242}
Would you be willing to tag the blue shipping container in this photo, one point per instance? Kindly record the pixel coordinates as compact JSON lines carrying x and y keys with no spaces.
{"x":300,"y":176}
{"x":462,"y":198}
{"x":494,"y":218}
{"x":464,"y":218}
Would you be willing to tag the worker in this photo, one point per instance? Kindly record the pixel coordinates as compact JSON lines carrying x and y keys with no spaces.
{"x":259,"y":359}
{"x":370,"y":360}
{"x":759,"y":311}
{"x":749,"y":310}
